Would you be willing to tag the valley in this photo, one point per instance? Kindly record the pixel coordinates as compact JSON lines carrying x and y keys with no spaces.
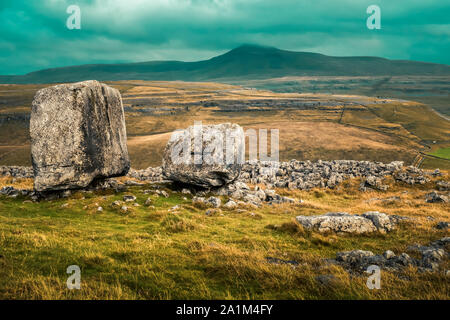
{"x":312,"y":125}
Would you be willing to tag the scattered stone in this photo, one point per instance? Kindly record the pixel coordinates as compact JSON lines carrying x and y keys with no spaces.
{"x":186,"y":191}
{"x":211,"y":212}
{"x":388,"y":254}
{"x":381,"y":221}
{"x":17,"y":172}
{"x":77,"y":135}
{"x":411,"y":176}
{"x":434,"y":197}
{"x":443,"y":225}
{"x":230,"y":204}
{"x":443,"y":185}
{"x":437,"y":173}
{"x":432,"y":256}
{"x":213,"y":202}
{"x":129,"y":198}
{"x":10,"y":191}
{"x":124,"y":209}
{"x":148,"y":202}
{"x":148,"y":175}
{"x":373,"y":182}
{"x":344,"y":222}
{"x":66,"y":193}
{"x":133,"y":183}
{"x":99,"y":209}
{"x":198,"y":200}
{"x":164,"y":194}
{"x":117,"y":203}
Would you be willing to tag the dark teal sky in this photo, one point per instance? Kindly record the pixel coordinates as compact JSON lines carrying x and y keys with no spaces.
{"x":33,"y":33}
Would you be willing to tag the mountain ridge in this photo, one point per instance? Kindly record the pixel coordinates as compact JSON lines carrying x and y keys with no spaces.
{"x":244,"y":62}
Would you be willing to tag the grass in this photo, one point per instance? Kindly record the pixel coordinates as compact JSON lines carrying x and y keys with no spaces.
{"x":159,"y":253}
{"x":377,"y":132}
{"x":442,"y":153}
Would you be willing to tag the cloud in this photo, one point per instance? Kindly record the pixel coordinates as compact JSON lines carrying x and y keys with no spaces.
{"x":33,"y":33}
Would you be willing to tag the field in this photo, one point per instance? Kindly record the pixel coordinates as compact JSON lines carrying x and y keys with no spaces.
{"x":433,"y":91}
{"x":159,"y":253}
{"x":312,"y":125}
{"x":442,"y":153}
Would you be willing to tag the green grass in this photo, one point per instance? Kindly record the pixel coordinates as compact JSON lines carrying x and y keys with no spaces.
{"x":154,"y":253}
{"x":442,"y":153}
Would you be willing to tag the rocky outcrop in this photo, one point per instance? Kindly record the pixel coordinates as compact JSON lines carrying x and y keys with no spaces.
{"x":343,"y":222}
{"x":411,"y":175}
{"x":16,"y":171}
{"x":434,"y":196}
{"x":77,"y":135}
{"x":443,"y":185}
{"x":431,"y":257}
{"x":306,"y":175}
{"x":149,"y":174}
{"x":217,"y":155}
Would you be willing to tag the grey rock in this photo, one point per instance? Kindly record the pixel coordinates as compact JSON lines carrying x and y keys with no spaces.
{"x":116,"y":203}
{"x":388,"y":254}
{"x":77,"y":134}
{"x":198,"y":200}
{"x":213,"y":202}
{"x":443,"y":225}
{"x":352,"y":257}
{"x":186,"y":191}
{"x":164,"y":194}
{"x":230,"y":204}
{"x":337,"y":222}
{"x":433,"y":197}
{"x":380,"y":220}
{"x":212,"y":170}
{"x":129,"y":198}
{"x":443,"y":185}
{"x":17,"y":171}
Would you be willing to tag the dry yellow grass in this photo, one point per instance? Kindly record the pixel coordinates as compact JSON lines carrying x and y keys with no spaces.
{"x":384,"y":132}
{"x":155,"y":253}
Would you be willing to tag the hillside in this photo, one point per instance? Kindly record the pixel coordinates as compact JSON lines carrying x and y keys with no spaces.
{"x":245,"y":62}
{"x":311,"y":126}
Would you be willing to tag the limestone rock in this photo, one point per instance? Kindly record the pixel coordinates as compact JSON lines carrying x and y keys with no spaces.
{"x":344,"y":222}
{"x":433,"y":197}
{"x":78,"y":134}
{"x":337,"y":222}
{"x":210,"y":166}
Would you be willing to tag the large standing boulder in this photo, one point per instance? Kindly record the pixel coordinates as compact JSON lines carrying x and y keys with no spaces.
{"x":78,"y":134}
{"x":205,"y":155}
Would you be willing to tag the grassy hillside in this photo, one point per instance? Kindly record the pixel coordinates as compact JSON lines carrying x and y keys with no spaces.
{"x":341,"y":127}
{"x":245,"y":62}
{"x":159,"y":253}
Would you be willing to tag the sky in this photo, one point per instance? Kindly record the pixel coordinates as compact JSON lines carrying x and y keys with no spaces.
{"x":34,"y":35}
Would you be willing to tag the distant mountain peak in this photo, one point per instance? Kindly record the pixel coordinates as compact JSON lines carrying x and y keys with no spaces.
{"x":248,"y":61}
{"x":253,"y":48}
